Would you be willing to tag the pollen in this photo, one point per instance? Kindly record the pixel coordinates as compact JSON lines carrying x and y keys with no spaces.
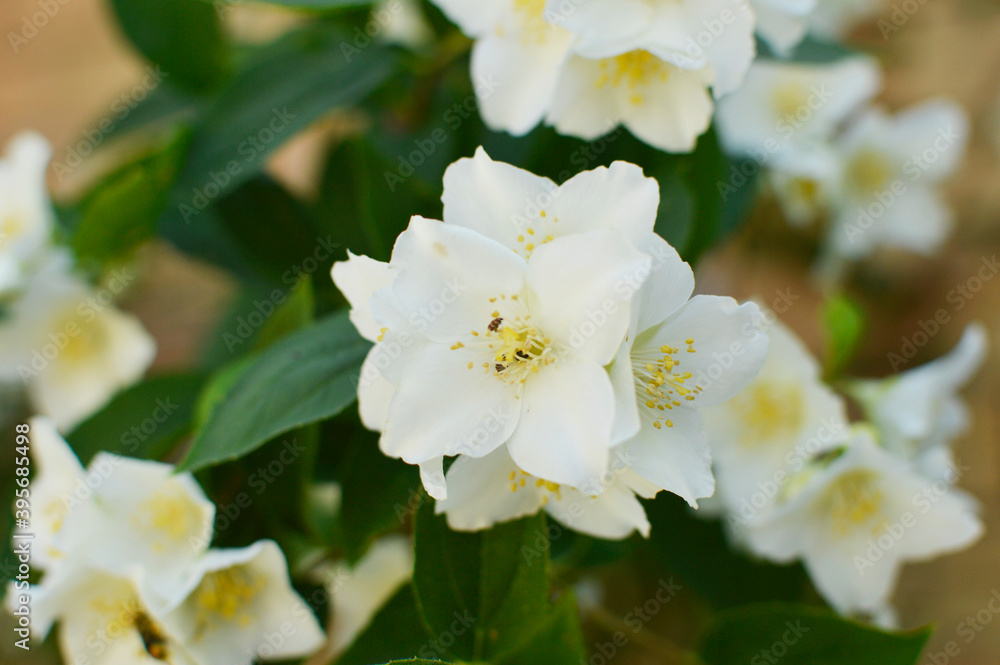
{"x":661,"y":383}
{"x":381,"y":334}
{"x":854,"y":501}
{"x":869,"y":172}
{"x":229,"y":593}
{"x":634,"y":69}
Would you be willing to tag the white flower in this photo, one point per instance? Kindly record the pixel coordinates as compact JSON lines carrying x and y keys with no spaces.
{"x":403,"y":22}
{"x":918,"y":412}
{"x":59,"y":473}
{"x":104,"y":621}
{"x":890,"y":171}
{"x":805,"y":182}
{"x":240,"y":606}
{"x":770,"y":430}
{"x":681,"y":355}
{"x":26,"y":217}
{"x":648,"y":66}
{"x":487,"y":490}
{"x":589,"y":66}
{"x":832,"y":19}
{"x":135,"y":518}
{"x":855,"y":519}
{"x":713,"y":35}
{"x":785,"y":105}
{"x":782,"y":23}
{"x":358,"y":592}
{"x":517,"y":352}
{"x":70,"y":346}
{"x":516,"y":60}
{"x":553,"y":322}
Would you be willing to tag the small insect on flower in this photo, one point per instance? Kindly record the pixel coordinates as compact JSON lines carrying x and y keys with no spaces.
{"x":152,"y":638}
{"x":495,"y":324}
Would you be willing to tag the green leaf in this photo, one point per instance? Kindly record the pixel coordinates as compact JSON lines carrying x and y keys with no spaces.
{"x":698,"y":551}
{"x":295,"y":313}
{"x":497,"y":581}
{"x":395,"y":632}
{"x":306,"y":377}
{"x":292,"y":82}
{"x":144,"y":421}
{"x":184,"y":37}
{"x":798,"y":635}
{"x":122,"y":211}
{"x":843,"y":327}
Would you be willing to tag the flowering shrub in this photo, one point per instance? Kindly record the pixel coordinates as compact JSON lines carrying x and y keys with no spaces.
{"x":509,"y":410}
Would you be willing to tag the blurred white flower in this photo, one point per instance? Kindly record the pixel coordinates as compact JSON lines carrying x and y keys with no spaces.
{"x":104,"y":621}
{"x":136,"y":518}
{"x":358,"y":592}
{"x":516,"y":61}
{"x":771,"y":429}
{"x":805,"y":183}
{"x":239,"y":606}
{"x":918,"y":412}
{"x":891,"y":169}
{"x":783,"y":106}
{"x":832,"y":19}
{"x":59,"y":476}
{"x":26,"y":217}
{"x":403,"y":23}
{"x":782,"y":23}
{"x":69,"y":345}
{"x":854,"y":519}
{"x":487,"y":490}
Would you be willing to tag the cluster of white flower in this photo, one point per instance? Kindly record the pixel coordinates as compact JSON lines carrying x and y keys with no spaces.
{"x":830,"y":154}
{"x":65,"y":342}
{"x":546,"y":337}
{"x":130,"y":578}
{"x":853,"y":502}
{"x":586,"y":66}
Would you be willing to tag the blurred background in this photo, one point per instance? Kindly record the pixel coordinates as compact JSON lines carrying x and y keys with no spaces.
{"x":79,"y":69}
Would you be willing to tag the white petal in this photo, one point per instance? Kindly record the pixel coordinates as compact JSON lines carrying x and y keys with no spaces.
{"x":582,"y":287}
{"x":672,"y":114}
{"x":433,"y":478}
{"x":486,"y":491}
{"x":358,"y":279}
{"x":358,"y":593}
{"x":58,"y":472}
{"x":447,"y":275}
{"x":676,"y":459}
{"x":516,"y":77}
{"x":496,"y":199}
{"x":565,"y":428}
{"x":669,"y":285}
{"x":580,"y":107}
{"x":729,"y":348}
{"x":442,"y":407}
{"x":614,"y":514}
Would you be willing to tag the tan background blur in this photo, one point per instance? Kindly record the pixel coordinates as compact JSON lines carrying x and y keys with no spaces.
{"x":66,"y":78}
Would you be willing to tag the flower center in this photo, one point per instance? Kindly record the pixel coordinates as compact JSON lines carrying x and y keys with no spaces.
{"x":169,"y":514}
{"x":83,"y":339}
{"x":516,"y":348}
{"x":789,"y":99}
{"x":519,"y":479}
{"x":854,"y":500}
{"x":227,"y":593}
{"x":635,"y":69}
{"x":660,"y":386}
{"x":869,"y":172}
{"x":768,"y":410}
{"x":531,"y":16}
{"x":11,"y":226}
